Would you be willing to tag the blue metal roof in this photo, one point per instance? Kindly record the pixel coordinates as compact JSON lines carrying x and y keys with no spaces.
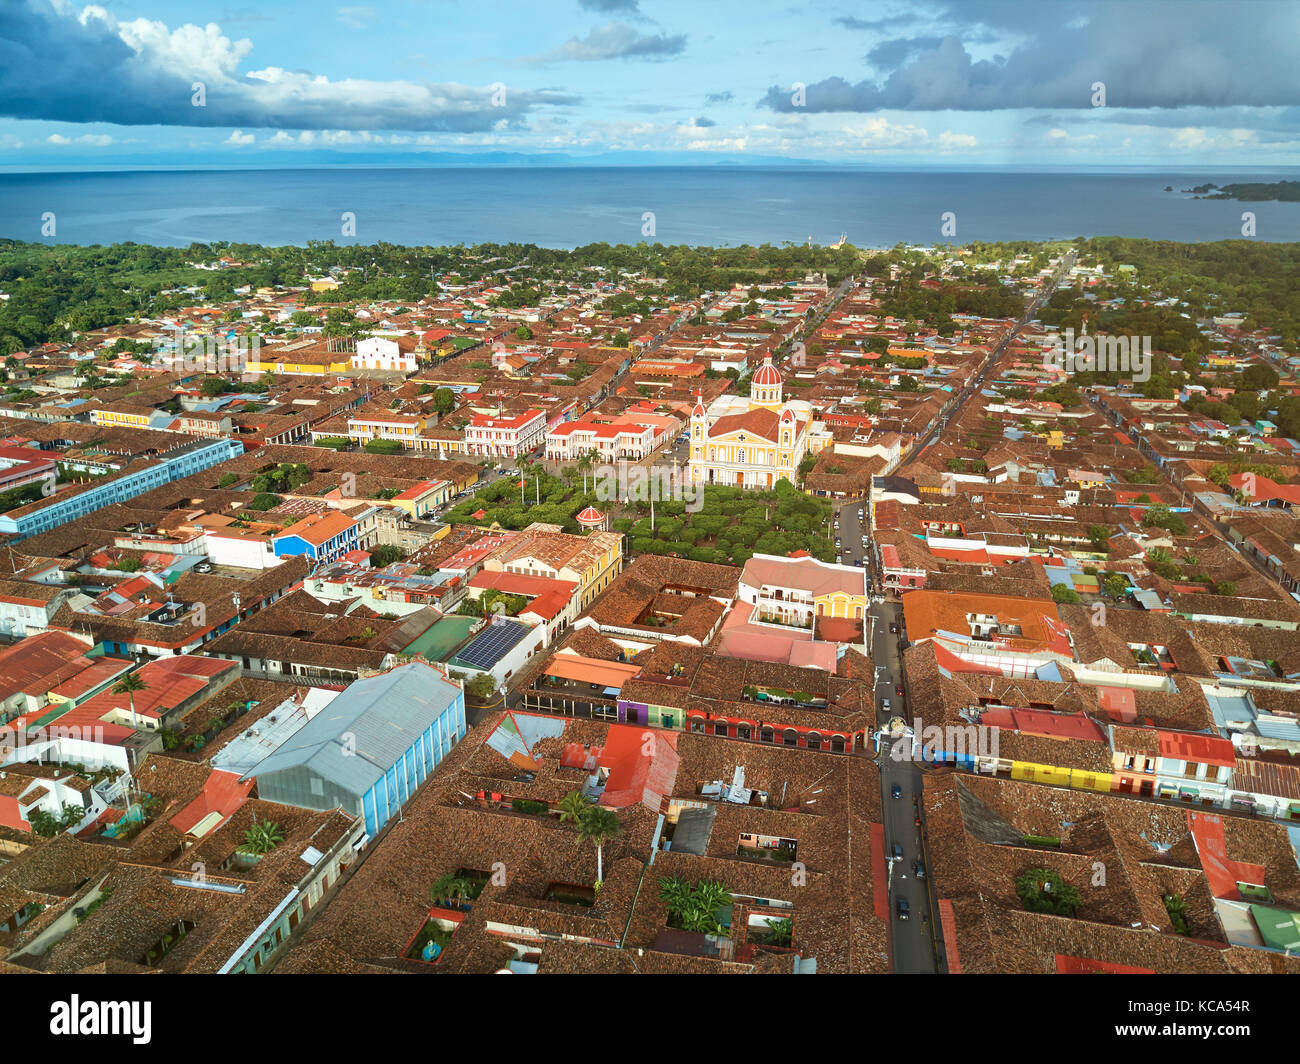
{"x":365,"y":731}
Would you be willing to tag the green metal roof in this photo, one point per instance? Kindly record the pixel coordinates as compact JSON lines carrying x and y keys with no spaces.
{"x":1279,"y":928}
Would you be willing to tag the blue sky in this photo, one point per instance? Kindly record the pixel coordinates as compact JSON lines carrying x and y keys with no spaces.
{"x":944,"y":83}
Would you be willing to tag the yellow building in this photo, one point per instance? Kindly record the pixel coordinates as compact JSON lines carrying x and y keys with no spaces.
{"x":750,"y":445}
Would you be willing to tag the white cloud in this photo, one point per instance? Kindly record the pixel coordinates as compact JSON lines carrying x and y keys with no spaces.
{"x":239,"y":138}
{"x":94,"y":140}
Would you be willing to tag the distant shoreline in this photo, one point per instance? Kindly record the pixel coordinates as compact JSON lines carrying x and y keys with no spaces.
{"x":1253,"y":192}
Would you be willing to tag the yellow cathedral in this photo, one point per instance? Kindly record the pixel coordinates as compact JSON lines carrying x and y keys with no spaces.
{"x":750,"y":443}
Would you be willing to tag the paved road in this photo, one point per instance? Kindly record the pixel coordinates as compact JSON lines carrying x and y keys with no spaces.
{"x":977,"y":382}
{"x":915,"y":941}
{"x":912,"y":940}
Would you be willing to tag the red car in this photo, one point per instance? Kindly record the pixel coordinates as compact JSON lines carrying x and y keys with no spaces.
{"x":899,"y":689}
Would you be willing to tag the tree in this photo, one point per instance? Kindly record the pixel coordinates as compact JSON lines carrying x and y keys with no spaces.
{"x":1042,"y":890}
{"x":262,"y":837}
{"x":780,"y":932}
{"x":572,"y":806}
{"x":1114,"y":586}
{"x":524,"y":332}
{"x":385,"y":554}
{"x":676,"y":893}
{"x":482,"y":687}
{"x":383,"y":447}
{"x":47,"y":825}
{"x":264,"y":500}
{"x":444,"y":401}
{"x":1065,"y":595}
{"x":710,"y":896}
{"x":598,"y":825}
{"x":453,"y":888}
{"x":128,"y":685}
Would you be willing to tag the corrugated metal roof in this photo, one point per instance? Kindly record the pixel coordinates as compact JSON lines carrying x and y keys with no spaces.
{"x":364,"y":731}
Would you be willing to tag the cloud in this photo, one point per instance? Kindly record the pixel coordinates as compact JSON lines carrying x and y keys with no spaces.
{"x":849,"y":22}
{"x":605,"y":7}
{"x":1154,"y":54}
{"x":890,"y":54}
{"x":144,"y":73}
{"x":720,"y":97}
{"x":96,"y":140}
{"x":616,"y":40}
{"x":702,"y":123}
{"x":239,"y":138}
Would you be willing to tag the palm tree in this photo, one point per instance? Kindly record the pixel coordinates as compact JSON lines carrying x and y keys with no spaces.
{"x":129,"y":685}
{"x":263,"y":837}
{"x":452,"y":888}
{"x":599,"y":825}
{"x":572,"y":806}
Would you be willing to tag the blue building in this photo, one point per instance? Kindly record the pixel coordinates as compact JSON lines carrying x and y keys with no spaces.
{"x":321,"y":537}
{"x":61,"y":509}
{"x":370,"y":748}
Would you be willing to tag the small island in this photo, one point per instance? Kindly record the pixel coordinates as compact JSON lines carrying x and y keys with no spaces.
{"x":1257,"y":192}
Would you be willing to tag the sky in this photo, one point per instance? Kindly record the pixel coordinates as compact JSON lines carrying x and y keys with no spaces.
{"x":946,"y":83}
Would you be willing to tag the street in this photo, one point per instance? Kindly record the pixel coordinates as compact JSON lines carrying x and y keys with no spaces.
{"x":912,"y":939}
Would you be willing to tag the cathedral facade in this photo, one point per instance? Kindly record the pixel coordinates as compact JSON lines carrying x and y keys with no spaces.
{"x":750,"y":443}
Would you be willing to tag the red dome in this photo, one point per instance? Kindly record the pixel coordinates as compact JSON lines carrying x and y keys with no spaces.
{"x":590,"y":516}
{"x":767,"y":373}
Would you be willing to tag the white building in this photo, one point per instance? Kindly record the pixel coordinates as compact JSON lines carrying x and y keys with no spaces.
{"x":378,"y":352}
{"x":505,"y":437}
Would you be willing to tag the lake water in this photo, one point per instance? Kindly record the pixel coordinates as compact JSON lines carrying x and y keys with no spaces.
{"x":567,"y":207}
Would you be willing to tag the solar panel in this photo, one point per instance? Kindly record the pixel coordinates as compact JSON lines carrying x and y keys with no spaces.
{"x":492,"y":644}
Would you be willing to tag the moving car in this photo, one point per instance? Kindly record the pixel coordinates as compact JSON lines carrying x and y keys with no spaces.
{"x":884,"y":705}
{"x":893,"y":629}
{"x":904,"y":910}
{"x":897,"y":852}
{"x":918,"y":869}
{"x":897,"y":792}
{"x":899,"y":690}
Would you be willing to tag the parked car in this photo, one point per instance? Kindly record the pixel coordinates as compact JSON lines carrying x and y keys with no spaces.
{"x":884,"y":705}
{"x":918,"y":869}
{"x":904,"y":911}
{"x":203,"y":567}
{"x":897,"y":851}
{"x":893,"y":629}
{"x":899,"y":690}
{"x":897,"y":791}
